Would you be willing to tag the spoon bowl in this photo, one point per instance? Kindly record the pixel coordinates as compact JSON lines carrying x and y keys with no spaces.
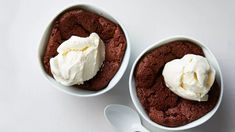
{"x":123,"y":118}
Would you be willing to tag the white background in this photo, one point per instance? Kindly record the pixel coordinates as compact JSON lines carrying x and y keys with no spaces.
{"x":28,"y":103}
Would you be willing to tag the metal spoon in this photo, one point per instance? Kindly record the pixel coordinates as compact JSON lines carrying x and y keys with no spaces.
{"x":124,"y":118}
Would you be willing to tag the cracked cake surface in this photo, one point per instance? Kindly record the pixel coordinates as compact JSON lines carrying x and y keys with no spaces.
{"x":82,"y":23}
{"x":161,"y":105}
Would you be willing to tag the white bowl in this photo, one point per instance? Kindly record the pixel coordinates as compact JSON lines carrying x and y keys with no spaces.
{"x":212,"y":60}
{"x":73,"y":90}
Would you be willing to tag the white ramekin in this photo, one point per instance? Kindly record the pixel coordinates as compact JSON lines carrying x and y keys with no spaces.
{"x":212,"y":60}
{"x":73,"y":90}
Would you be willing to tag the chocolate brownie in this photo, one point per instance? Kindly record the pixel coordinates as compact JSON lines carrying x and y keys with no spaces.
{"x":163,"y":106}
{"x":82,"y":23}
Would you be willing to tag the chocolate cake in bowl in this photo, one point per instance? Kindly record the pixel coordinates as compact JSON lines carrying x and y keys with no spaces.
{"x":156,"y":103}
{"x":83,"y":20}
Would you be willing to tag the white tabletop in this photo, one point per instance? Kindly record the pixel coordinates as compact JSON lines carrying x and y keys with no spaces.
{"x":28,"y":103}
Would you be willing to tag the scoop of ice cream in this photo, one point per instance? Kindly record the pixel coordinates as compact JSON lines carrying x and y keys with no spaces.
{"x":78,"y":60}
{"x":190,"y":77}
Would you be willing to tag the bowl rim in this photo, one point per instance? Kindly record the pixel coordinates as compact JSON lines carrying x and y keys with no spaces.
{"x":44,"y":38}
{"x":135,"y":100}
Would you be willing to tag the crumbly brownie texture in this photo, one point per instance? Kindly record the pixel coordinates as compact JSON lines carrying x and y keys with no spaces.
{"x":81,"y":23}
{"x":163,"y":106}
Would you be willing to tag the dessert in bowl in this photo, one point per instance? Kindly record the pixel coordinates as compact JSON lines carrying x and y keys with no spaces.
{"x":84,"y":51}
{"x":176,"y":84}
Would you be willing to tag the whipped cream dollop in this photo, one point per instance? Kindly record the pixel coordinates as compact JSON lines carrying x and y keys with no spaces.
{"x":78,"y":60}
{"x":190,"y":77}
